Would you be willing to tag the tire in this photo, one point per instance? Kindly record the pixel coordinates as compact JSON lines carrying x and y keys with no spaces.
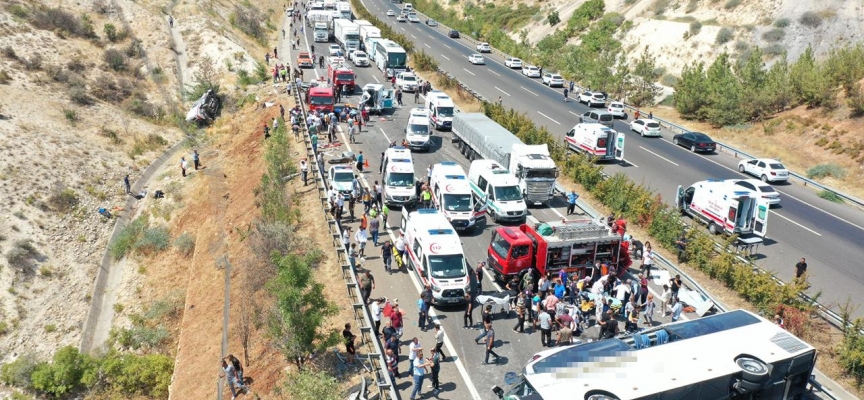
{"x":712,"y":227}
{"x":693,"y":148}
{"x":745,"y":386}
{"x":402,"y":224}
{"x":741,"y":169}
{"x":753,"y":370}
{"x":675,"y":141}
{"x":765,"y":178}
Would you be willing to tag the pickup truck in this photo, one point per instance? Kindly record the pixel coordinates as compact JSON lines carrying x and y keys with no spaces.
{"x":304,"y":60}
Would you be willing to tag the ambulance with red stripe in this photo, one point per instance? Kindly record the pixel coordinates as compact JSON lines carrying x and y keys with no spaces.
{"x":599,"y":141}
{"x":434,"y":251}
{"x":451,"y":194}
{"x":725,"y":207}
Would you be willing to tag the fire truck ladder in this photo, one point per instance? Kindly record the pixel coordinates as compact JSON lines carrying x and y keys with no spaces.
{"x":578,"y":231}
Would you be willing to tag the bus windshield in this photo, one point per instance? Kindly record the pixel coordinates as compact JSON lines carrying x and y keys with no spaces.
{"x":508,"y":193}
{"x":457,"y":202}
{"x":450,"y":266}
{"x":400,"y":179}
{"x":500,"y":245}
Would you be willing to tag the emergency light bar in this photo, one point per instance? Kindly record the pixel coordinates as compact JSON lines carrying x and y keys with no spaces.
{"x":454,"y":176}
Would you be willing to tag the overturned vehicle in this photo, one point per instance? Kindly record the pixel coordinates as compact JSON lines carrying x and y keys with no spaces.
{"x":205,"y":109}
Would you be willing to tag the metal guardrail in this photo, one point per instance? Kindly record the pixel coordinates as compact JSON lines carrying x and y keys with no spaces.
{"x":362,"y":316}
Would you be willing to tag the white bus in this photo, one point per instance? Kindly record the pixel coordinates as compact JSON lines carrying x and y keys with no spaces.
{"x":734,"y":355}
{"x":390,"y":57}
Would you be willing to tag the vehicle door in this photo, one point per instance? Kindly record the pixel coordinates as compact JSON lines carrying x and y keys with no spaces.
{"x":679,"y":197}
{"x":760,"y":223}
{"x":619,"y":146}
{"x":387,"y":99}
{"x":480,"y":209}
{"x":760,"y":168}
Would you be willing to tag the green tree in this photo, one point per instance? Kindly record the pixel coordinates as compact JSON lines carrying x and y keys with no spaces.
{"x":644,"y":89}
{"x":777,"y":84}
{"x":754,"y":79}
{"x":296,"y":324}
{"x":690,"y":94}
{"x":725,"y":94}
{"x":810,"y":83}
{"x":553,"y":18}
{"x":312,"y":385}
{"x":63,"y":374}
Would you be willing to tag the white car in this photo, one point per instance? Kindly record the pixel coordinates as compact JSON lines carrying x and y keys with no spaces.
{"x":484,"y":48}
{"x":531,"y":71}
{"x":341,"y":179}
{"x":476,"y":59}
{"x":391,"y":13}
{"x":413,"y":18}
{"x":552,"y":80}
{"x":592,"y":99}
{"x":766,"y":169}
{"x":617,"y":109}
{"x":645,"y":127}
{"x":512,"y":62}
{"x":765,"y":191}
{"x":360,"y":59}
{"x":334,"y":50}
{"x":431,"y":22}
{"x":406,"y":81}
{"x":401,"y":18}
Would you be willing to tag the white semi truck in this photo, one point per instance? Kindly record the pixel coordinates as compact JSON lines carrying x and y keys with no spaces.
{"x":347,"y":34}
{"x":479,"y":137}
{"x":322,"y":23}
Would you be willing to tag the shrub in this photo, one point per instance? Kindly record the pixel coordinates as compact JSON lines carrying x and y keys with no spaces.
{"x":9,"y":53}
{"x":810,"y":19}
{"x":185,"y":244}
{"x":127,"y":237}
{"x":730,"y":4}
{"x":153,"y":240}
{"x":669,"y":80}
{"x":553,"y":18}
{"x":134,"y":49}
{"x":112,"y":90}
{"x":424,"y":62}
{"x":55,"y":19}
{"x":855,"y":101}
{"x":115,"y":59}
{"x":110,"y":32}
{"x":695,"y":28}
{"x":17,"y":373}
{"x":774,"y":50}
{"x":76,"y":65}
{"x":741,"y":45}
{"x":22,"y":254}
{"x":63,"y":374}
{"x":774,"y":35}
{"x":130,"y":374}
{"x":141,"y":105}
{"x":71,"y":115}
{"x":826,"y":171}
{"x":724,"y":35}
{"x":830,"y":196}
{"x":5,"y":78}
{"x":140,"y":337}
{"x":63,"y":200}
{"x":782,"y":23}
{"x":79,"y":95}
{"x":33,"y":63}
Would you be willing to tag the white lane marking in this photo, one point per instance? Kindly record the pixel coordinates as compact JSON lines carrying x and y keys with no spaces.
{"x":799,"y":225}
{"x":548,"y":117}
{"x":428,"y":46}
{"x":556,"y":211}
{"x":415,"y":37}
{"x":403,"y":29}
{"x":446,"y":46}
{"x":491,"y":71}
{"x":431,"y":37}
{"x":826,"y":212}
{"x":448,"y":59}
{"x":571,"y":112}
{"x":466,"y":70}
{"x":376,"y":79}
{"x":659,"y":156}
{"x":499,"y":89}
{"x":385,"y":135}
{"x":523,"y":88}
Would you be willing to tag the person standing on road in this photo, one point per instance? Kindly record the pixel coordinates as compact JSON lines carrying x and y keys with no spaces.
{"x":196,"y":159}
{"x":545,"y":328}
{"x":375,"y":310}
{"x":675,"y":284}
{"x":676,"y":309}
{"x":374,"y":226}
{"x":230,"y":376}
{"x":439,"y":341}
{"x":800,"y":268}
{"x":479,"y":273}
{"x":420,"y":365}
{"x":468,"y":317}
{"x":571,"y":202}
{"x":400,"y":249}
{"x":487,"y":323}
{"x":422,"y":309}
{"x":435,"y":360}
{"x":171,"y":21}
{"x":490,"y":344}
{"x":647,"y":259}
{"x":566,"y":93}
{"x":241,"y":382}
{"x":361,"y":239}
{"x":413,"y":346}
{"x":183,"y":165}
{"x":396,"y":320}
{"x":126,"y":184}
{"x":648,"y":315}
{"x":387,"y":256}
{"x":367,"y":284}
{"x":664,"y":299}
{"x":520,"y":314}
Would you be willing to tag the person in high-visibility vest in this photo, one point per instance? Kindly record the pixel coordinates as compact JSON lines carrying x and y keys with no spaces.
{"x":427,"y":197}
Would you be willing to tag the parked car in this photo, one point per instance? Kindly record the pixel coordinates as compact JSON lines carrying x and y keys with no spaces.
{"x":484,"y":48}
{"x":766,"y":169}
{"x":391,"y":13}
{"x":431,"y":22}
{"x":454,"y":34}
{"x":304,"y":60}
{"x":617,"y":109}
{"x":476,"y":59}
{"x":552,"y":79}
{"x":334,"y":50}
{"x":764,"y":190}
{"x":401,"y":18}
{"x":695,"y":141}
{"x":513,"y":62}
{"x":645,"y":127}
{"x":531,"y":71}
{"x":592,"y":99}
{"x":341,"y":178}
{"x":360,"y":59}
{"x":597,"y":117}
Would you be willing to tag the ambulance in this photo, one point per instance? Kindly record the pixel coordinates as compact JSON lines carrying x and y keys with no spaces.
{"x":441,"y":109}
{"x":434,"y":251}
{"x":725,"y":207}
{"x":417,"y":131}
{"x":451,"y":194}
{"x":398,"y":170}
{"x":494,"y":186}
{"x":600,"y":141}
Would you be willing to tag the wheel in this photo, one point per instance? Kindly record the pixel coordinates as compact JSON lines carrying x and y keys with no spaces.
{"x":693,"y":148}
{"x":626,"y":116}
{"x":712,"y":227}
{"x":642,"y":133}
{"x":765,"y":178}
{"x":402,"y":224}
{"x":752,"y":369}
{"x":675,"y":141}
{"x":741,"y":169}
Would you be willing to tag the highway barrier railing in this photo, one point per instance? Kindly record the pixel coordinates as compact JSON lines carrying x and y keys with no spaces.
{"x":362,"y":316}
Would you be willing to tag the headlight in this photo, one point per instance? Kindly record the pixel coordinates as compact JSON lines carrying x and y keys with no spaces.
{"x":435,"y":288}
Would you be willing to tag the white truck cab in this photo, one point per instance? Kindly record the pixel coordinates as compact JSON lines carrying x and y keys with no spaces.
{"x":441,"y":109}
{"x":451,"y":194}
{"x":725,"y":207}
{"x":398,"y":169}
{"x":434,"y":250}
{"x":494,"y":186}
{"x":417,"y":131}
{"x":596,"y":140}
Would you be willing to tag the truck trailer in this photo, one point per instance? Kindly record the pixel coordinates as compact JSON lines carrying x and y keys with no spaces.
{"x":347,"y":34}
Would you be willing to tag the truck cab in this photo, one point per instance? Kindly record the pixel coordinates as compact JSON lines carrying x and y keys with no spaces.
{"x":441,"y":109}
{"x":434,"y":250}
{"x":536,"y":171}
{"x":340,"y":74}
{"x":398,"y":168}
{"x":599,"y":141}
{"x":417,"y":131}
{"x":451,"y":194}
{"x":571,"y":245}
{"x":321,"y":32}
{"x":725,"y":207}
{"x":493,"y":185}
{"x":320,"y":98}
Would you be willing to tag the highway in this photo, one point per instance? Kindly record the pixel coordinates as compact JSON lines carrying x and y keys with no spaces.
{"x":829,"y":235}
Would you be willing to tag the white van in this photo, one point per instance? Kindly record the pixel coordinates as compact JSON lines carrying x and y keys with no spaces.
{"x":451,"y":194}
{"x":494,"y":186}
{"x":398,"y":168}
{"x":407,"y":8}
{"x":596,"y":140}
{"x":417,"y":130}
{"x":434,"y":250}
{"x":441,"y":109}
{"x":725,"y":207}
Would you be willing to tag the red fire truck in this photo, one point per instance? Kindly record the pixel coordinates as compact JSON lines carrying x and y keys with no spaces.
{"x":320,"y":97}
{"x":572,"y":245}
{"x":340,"y":74}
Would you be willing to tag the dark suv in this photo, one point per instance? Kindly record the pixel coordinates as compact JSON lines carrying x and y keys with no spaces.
{"x":453,"y":34}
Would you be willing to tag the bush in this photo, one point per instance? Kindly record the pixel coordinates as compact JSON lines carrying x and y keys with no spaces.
{"x":774,"y":50}
{"x":855,"y":101}
{"x":140,"y":337}
{"x":185,"y":244}
{"x":127,"y":237}
{"x":810,"y":19}
{"x":110,"y":32}
{"x":782,"y":23}
{"x":63,"y":374}
{"x":140,"y":105}
{"x":115,"y":59}
{"x":553,"y":18}
{"x":55,"y":19}
{"x":130,"y":374}
{"x":826,"y":171}
{"x":730,"y":4}
{"x":741,"y":46}
{"x":424,"y":62}
{"x":153,"y":240}
{"x":724,"y":36}
{"x":33,"y":63}
{"x":9,"y":53}
{"x":79,"y":95}
{"x":135,"y":49}
{"x":5,"y":78}
{"x":112,"y":90}
{"x":830,"y":196}
{"x":774,"y":35}
{"x":63,"y":200}
{"x":17,"y":373}
{"x":695,"y":28}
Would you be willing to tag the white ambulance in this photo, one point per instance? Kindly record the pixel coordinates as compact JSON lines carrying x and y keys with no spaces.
{"x":597,"y":140}
{"x":417,"y":131}
{"x":441,"y":109}
{"x":398,"y":171}
{"x":434,"y":250}
{"x":494,"y":186}
{"x":725,"y":207}
{"x":451,"y":194}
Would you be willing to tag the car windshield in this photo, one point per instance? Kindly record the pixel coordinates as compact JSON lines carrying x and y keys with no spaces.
{"x":777,"y":166}
{"x":408,"y":78}
{"x":445,"y":111}
{"x":605,"y":117}
{"x":359,"y":54}
{"x":321,"y":100}
{"x":652,"y":125}
{"x":418,"y":129}
{"x":343,"y":177}
{"x":450,"y":266}
{"x":508,"y":193}
{"x":701,"y":138}
{"x":500,"y":245}
{"x":401,"y":179}
{"x":457,"y":202}
{"x":613,"y":105}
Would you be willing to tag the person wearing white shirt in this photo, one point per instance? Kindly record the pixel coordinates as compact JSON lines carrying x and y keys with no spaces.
{"x":375,"y":310}
{"x":360,"y":237}
{"x":439,"y":340}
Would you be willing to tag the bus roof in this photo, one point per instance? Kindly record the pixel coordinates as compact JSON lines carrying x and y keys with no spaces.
{"x":692,"y":352}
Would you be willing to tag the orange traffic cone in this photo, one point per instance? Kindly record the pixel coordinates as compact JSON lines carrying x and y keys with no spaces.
{"x":366,"y":164}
